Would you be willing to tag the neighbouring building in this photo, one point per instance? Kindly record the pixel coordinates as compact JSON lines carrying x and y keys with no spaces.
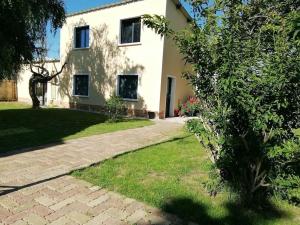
{"x":110,"y":51}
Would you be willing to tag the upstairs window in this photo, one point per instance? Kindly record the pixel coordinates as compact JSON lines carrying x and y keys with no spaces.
{"x":131,"y":30}
{"x":81,"y":85}
{"x":82,"y":37}
{"x":127,"y":86}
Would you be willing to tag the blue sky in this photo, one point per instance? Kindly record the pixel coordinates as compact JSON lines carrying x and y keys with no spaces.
{"x":71,"y":6}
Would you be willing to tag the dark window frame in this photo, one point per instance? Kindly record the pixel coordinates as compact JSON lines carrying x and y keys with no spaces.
{"x":88,"y":85}
{"x":132,"y":41}
{"x":87,"y":41}
{"x":119,"y":87}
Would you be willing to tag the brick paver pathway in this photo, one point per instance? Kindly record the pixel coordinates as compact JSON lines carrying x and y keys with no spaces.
{"x":35,"y":187}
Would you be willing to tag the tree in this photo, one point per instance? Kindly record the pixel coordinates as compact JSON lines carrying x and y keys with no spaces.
{"x":40,"y":75}
{"x":245,"y":59}
{"x":23,"y":28}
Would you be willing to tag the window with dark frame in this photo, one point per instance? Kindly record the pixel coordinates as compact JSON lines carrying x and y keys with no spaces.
{"x":131,"y":30}
{"x":81,"y":85}
{"x":82,"y":37}
{"x":127,"y":86}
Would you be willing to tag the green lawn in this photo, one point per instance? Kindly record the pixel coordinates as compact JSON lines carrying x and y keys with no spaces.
{"x":170,"y":176}
{"x":22,"y":127}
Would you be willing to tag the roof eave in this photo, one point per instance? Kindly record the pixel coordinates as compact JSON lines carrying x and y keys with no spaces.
{"x":124,"y":2}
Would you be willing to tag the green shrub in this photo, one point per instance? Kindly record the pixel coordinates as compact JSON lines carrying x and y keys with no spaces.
{"x":194,"y":126}
{"x":245,"y":70}
{"x":115,"y":108}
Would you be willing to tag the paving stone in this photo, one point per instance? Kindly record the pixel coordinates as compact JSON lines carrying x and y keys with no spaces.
{"x":117,"y":213}
{"x":62,"y":204}
{"x":98,"y":209}
{"x":132,"y":207}
{"x":15,"y":217}
{"x":19,"y":222}
{"x":25,"y":206}
{"x":73,"y":207}
{"x":79,"y":218}
{"x":99,"y":200}
{"x":94,"y":188}
{"x":8,"y":203}
{"x":136,"y":216}
{"x":114,"y":221}
{"x":99,"y":219}
{"x":34,"y":219}
{"x":4,"y":213}
{"x":96,"y":194}
{"x":62,"y":221}
{"x":68,"y":188}
{"x":45,"y":201}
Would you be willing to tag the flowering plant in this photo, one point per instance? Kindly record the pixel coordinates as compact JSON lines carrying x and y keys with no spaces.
{"x":190,"y":107}
{"x":176,"y":112}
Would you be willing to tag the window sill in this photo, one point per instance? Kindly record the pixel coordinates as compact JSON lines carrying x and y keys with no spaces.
{"x":81,"y":96}
{"x":78,"y":49}
{"x":129,"y":44}
{"x":129,"y":100}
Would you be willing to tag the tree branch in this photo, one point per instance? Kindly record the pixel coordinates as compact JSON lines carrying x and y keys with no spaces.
{"x":59,"y":72}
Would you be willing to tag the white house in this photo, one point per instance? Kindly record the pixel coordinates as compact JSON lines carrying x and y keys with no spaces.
{"x":110,"y":51}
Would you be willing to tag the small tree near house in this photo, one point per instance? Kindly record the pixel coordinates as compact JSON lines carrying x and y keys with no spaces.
{"x":40,"y":75}
{"x":245,"y":57}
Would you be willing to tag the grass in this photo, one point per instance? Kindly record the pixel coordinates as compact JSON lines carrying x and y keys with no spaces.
{"x":298,"y":132}
{"x":22,"y":127}
{"x":170,"y":176}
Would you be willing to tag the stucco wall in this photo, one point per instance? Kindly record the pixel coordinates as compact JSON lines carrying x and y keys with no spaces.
{"x":173,"y":63}
{"x":105,"y":59}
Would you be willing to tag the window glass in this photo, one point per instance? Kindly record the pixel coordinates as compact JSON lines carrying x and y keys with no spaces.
{"x":137,"y":32}
{"x":130,"y":30}
{"x":82,"y":37}
{"x":81,"y":85}
{"x":128,"y":85}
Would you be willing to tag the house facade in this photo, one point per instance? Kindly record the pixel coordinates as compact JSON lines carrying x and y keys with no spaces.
{"x":109,"y":51}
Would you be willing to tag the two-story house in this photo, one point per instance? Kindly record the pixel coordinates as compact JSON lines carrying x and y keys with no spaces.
{"x":110,"y":51}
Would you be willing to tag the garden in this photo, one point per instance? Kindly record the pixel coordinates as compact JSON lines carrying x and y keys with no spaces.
{"x":176,"y":177}
{"x":244,"y":69}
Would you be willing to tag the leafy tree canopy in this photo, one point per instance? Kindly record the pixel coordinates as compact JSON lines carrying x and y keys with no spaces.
{"x":246,"y":72}
{"x":23,"y":29}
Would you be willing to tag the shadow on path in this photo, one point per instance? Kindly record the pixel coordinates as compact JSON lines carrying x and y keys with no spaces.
{"x":4,"y":190}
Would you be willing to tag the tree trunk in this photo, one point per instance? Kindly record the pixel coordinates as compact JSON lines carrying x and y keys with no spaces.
{"x":32,"y":92}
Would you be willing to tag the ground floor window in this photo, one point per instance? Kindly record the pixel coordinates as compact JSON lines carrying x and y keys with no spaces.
{"x":81,"y":85}
{"x":127,"y":86}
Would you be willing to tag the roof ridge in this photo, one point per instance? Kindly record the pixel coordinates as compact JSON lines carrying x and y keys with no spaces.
{"x":105,"y":6}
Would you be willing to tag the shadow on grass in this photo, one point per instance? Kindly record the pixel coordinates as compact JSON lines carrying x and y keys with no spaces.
{"x":190,"y":211}
{"x":23,"y":130}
